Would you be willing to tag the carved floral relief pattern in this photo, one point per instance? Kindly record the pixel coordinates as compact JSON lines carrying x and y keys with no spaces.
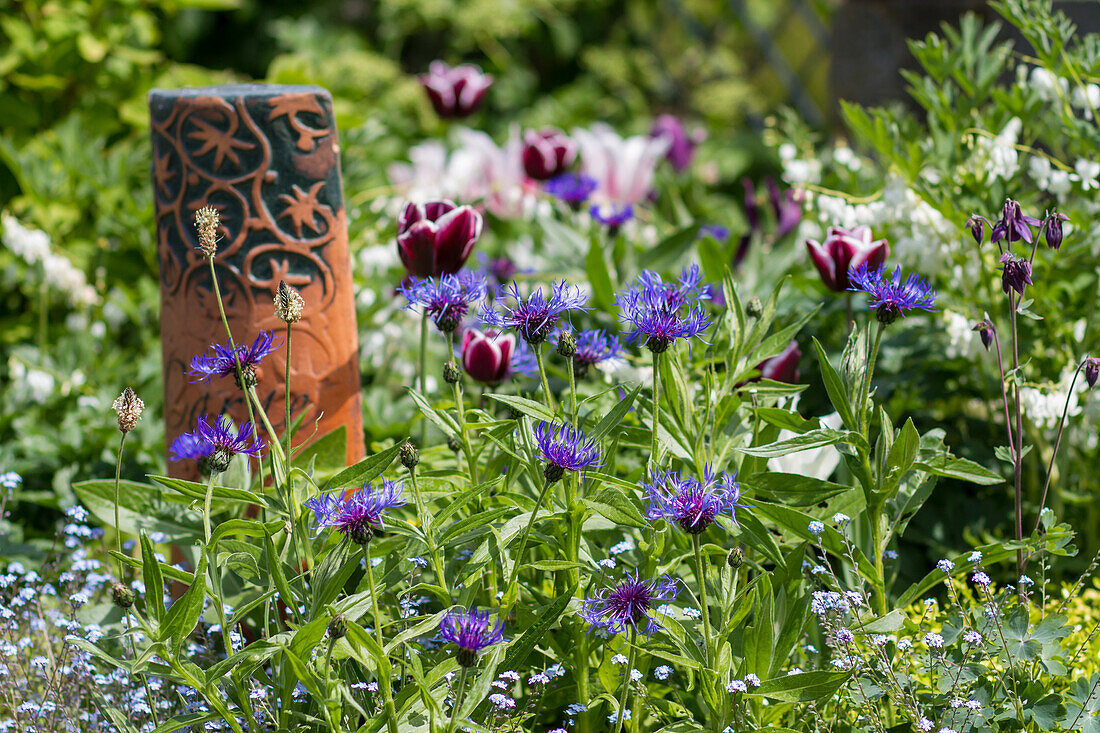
{"x":266,"y":158}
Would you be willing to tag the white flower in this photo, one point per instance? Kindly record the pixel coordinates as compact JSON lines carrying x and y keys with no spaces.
{"x":1086,"y":173}
{"x":31,"y":245}
{"x":962,"y":341}
{"x":482,"y":170}
{"x":1046,"y":84}
{"x":623,"y":167}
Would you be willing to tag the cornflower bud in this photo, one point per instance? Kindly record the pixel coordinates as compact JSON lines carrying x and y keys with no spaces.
{"x":338,"y":627}
{"x":736,"y":558}
{"x":410,"y":456}
{"x":451,"y":373}
{"x":567,"y":344}
{"x":754,"y":308}
{"x":122,"y":595}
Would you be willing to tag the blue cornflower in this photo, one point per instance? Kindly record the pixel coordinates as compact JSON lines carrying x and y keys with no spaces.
{"x":535,"y":317}
{"x":564,"y":447}
{"x":214,"y":443}
{"x":571,"y":188}
{"x":594,"y":347}
{"x":890,"y":297}
{"x":222,"y":361}
{"x":471,"y":632}
{"x":663,"y":312}
{"x":358,"y":516}
{"x":445,"y":300}
{"x":612,"y":216}
{"x":628,"y":604}
{"x":690,"y":503}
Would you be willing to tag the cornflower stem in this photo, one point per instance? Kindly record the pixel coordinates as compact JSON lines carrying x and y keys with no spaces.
{"x":142,"y":676}
{"x":460,"y":409}
{"x":580,"y":634}
{"x":424,"y":375}
{"x":383,"y":684}
{"x":459,"y":691}
{"x":708,"y":639}
{"x":1018,"y":462}
{"x":625,"y":692}
{"x":426,"y":526}
{"x":537,"y":348}
{"x":1057,"y":443}
{"x":523,"y":540}
{"x":653,"y":444}
{"x":213,"y":567}
{"x":877,"y":547}
{"x":865,"y":390}
{"x":118,"y":527}
{"x":573,"y":390}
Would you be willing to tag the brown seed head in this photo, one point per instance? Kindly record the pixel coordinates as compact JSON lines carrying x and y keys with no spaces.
{"x":288,"y":303}
{"x":207,"y":221}
{"x":128,"y":407}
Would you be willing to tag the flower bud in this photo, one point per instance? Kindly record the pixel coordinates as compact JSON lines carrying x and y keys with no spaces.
{"x":1092,"y":370}
{"x":985,"y":330}
{"x":216,"y":462}
{"x":338,"y":626}
{"x":436,"y":237}
{"x":410,"y":456}
{"x":977,"y":228}
{"x":246,"y":377}
{"x":736,"y":558}
{"x":567,"y":344}
{"x":1052,"y":229}
{"x":754,"y":308}
{"x":128,"y":407}
{"x":288,"y":303}
{"x":547,"y":153}
{"x":487,"y":356}
{"x":122,"y":595}
{"x":1016,"y":273}
{"x":451,"y":373}
{"x":455,"y":91}
{"x":453,"y":443}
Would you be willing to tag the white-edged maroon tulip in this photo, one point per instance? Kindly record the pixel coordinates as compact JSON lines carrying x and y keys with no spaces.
{"x":455,"y":91}
{"x":436,"y":237}
{"x":844,"y":249}
{"x":547,"y":153}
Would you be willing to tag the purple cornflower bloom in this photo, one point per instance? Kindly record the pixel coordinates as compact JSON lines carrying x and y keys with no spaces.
{"x":628,"y":604}
{"x":571,"y":188}
{"x":663,"y":312}
{"x":223,"y":361}
{"x":358,"y":515}
{"x":471,"y":632}
{"x":612,"y":216}
{"x":535,"y":317}
{"x":1016,"y":273}
{"x":890,"y":297}
{"x":594,"y":347}
{"x":690,"y":503}
{"x":717,"y":232}
{"x":1013,"y":224}
{"x":445,"y":300}
{"x":214,"y":443}
{"x":564,"y":447}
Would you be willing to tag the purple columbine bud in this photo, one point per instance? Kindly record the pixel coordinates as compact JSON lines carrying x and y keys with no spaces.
{"x":985,"y":330}
{"x":1016,"y":273}
{"x":547,"y":153}
{"x":977,"y":227}
{"x":1052,"y":229}
{"x":455,"y":91}
{"x":1092,"y":370}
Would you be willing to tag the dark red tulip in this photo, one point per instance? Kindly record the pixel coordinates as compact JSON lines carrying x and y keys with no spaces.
{"x":455,"y":91}
{"x":782,"y":367}
{"x":843,"y":250}
{"x":436,"y":237}
{"x":547,"y":153}
{"x":487,"y":356}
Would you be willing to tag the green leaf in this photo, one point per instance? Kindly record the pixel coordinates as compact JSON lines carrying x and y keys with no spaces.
{"x":792,"y":488}
{"x":950,"y":466}
{"x":834,"y":386}
{"x":806,"y":441}
{"x":804,"y":687}
{"x":532,"y":409}
{"x":615,"y":415}
{"x":521,"y":647}
{"x":154,"y":581}
{"x":184,"y":614}
{"x":197,"y":491}
{"x":247,"y":527}
{"x":330,"y":450}
{"x":139,"y":508}
{"x":671,"y":249}
{"x":616,"y":506}
{"x":599,"y":278}
{"x":365,"y":470}
{"x":903,"y":452}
